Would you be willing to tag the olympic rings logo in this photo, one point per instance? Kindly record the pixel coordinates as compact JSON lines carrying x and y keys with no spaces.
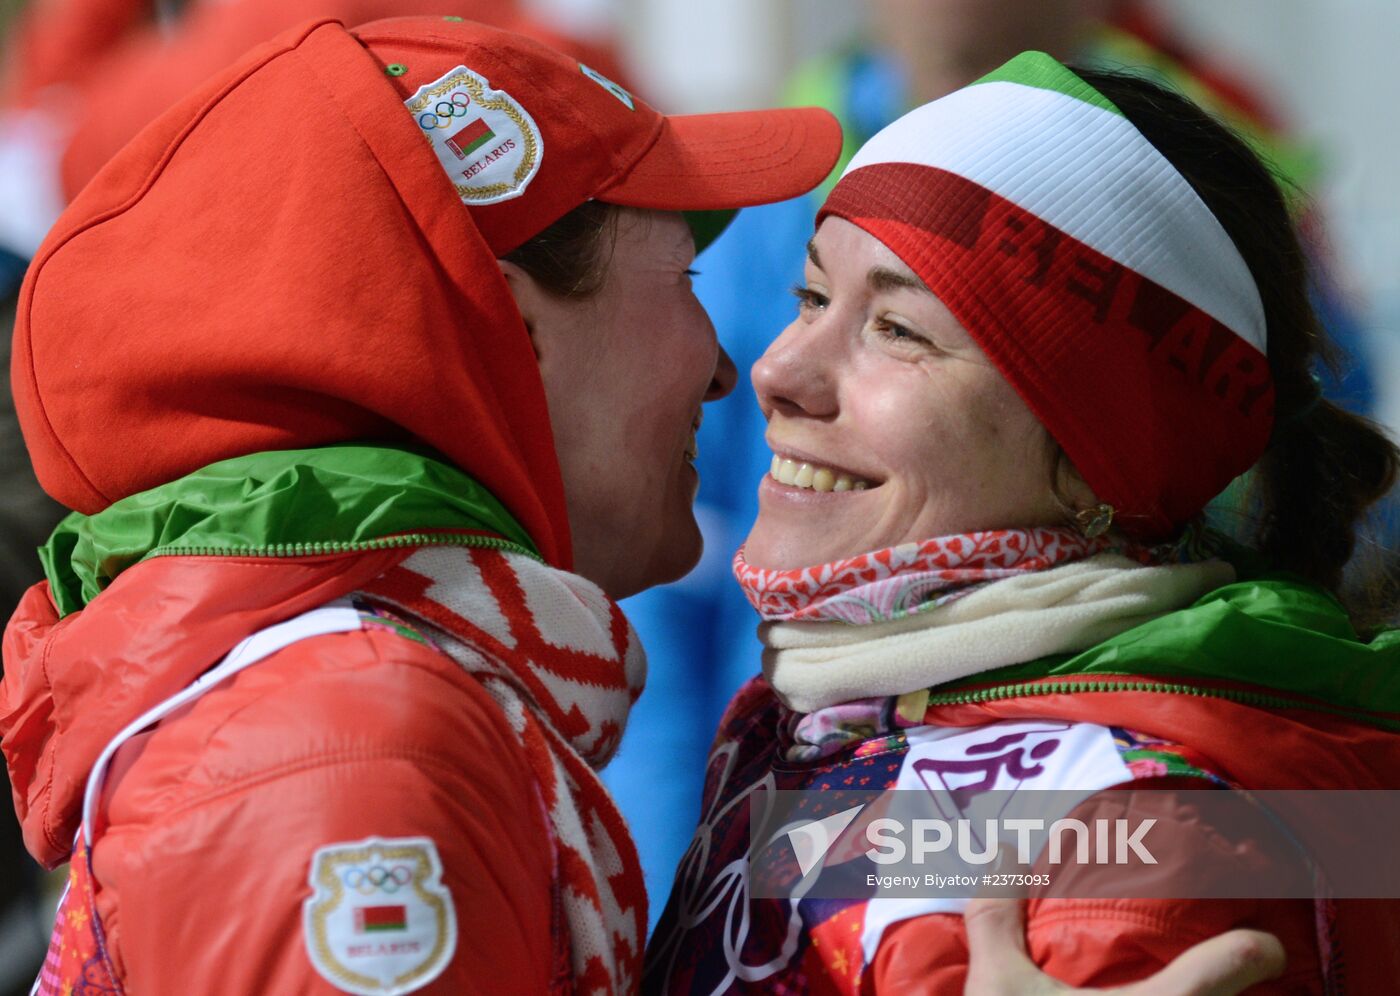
{"x":377,"y":878}
{"x":444,"y":111}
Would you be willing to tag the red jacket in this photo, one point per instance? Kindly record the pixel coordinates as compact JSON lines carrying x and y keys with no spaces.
{"x":1113,"y":942}
{"x":714,"y":923}
{"x":1097,"y":943}
{"x":209,"y":820}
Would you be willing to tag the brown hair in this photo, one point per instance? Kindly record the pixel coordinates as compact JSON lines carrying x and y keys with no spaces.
{"x":1324,"y":466}
{"x":570,"y":258}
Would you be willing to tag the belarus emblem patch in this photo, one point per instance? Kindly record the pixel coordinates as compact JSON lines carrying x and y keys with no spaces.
{"x":379,"y":921}
{"x":486,"y":141}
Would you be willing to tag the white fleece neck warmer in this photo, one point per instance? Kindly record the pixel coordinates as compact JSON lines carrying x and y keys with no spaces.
{"x":813,"y":665}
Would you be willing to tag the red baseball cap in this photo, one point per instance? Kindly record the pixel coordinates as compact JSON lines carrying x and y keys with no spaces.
{"x":303,"y":251}
{"x":539,"y":133}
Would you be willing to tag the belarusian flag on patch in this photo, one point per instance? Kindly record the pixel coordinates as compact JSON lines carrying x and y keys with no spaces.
{"x":471,"y":138}
{"x":372,"y":918}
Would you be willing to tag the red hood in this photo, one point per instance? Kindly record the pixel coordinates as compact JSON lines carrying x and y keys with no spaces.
{"x":324,"y":283}
{"x":69,"y":686}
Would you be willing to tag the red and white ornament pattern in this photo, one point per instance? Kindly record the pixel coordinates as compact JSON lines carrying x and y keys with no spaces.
{"x":565,"y":666}
{"x":901,"y":580}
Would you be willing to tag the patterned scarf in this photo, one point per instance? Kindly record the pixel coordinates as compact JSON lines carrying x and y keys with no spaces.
{"x":914,"y":578}
{"x":565,"y":666}
{"x":902,"y":580}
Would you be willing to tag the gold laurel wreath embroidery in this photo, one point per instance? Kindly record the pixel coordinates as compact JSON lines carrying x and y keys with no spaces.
{"x":328,"y":877}
{"x":504,"y":104}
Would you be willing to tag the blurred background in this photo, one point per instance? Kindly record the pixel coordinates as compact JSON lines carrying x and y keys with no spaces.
{"x":1309,"y":82}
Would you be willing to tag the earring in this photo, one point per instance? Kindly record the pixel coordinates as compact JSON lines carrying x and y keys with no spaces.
{"x":1094,"y":522}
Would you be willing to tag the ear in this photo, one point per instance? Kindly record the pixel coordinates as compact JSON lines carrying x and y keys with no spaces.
{"x":527,"y":294}
{"x":549,"y":319}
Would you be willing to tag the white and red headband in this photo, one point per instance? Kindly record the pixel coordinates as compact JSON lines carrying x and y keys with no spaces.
{"x":1089,"y":271}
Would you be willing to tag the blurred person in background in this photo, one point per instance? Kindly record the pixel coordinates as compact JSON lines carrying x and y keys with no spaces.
{"x":27,"y":516}
{"x":81,"y":77}
{"x":914,"y":52}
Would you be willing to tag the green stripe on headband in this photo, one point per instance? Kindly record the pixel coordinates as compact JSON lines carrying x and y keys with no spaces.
{"x":1045,"y":73}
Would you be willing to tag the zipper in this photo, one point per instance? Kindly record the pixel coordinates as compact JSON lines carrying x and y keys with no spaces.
{"x":348,"y":546}
{"x":1076,"y":686}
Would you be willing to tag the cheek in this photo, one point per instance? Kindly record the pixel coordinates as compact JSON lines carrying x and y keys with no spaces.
{"x":1012,"y":448}
{"x":680,"y":361}
{"x":664,"y":340}
{"x":922,"y":426}
{"x":974,"y":431}
{"x":660,"y":379}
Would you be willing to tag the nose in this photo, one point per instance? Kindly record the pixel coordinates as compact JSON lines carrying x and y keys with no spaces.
{"x":726,"y":376}
{"x":791,"y":377}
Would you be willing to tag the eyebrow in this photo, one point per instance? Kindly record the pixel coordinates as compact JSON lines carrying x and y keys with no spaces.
{"x":882,"y":278}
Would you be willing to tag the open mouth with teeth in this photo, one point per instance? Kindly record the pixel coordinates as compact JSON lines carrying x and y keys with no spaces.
{"x":814,"y":477}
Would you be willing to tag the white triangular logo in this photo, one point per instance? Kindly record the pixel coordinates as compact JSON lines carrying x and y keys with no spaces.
{"x":812,"y":840}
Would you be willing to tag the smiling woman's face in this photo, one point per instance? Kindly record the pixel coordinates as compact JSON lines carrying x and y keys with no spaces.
{"x":887,"y":422}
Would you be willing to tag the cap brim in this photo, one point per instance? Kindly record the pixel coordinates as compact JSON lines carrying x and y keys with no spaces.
{"x":709,"y":162}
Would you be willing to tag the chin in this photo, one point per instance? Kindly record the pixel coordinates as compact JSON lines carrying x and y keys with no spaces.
{"x":675,"y":557}
{"x":781,"y":549}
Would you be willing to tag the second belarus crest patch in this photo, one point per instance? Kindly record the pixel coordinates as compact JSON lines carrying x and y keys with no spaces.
{"x":379,"y":921}
{"x":489,"y":144}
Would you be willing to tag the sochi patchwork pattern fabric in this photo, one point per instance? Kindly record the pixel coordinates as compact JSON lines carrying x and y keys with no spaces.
{"x":77,"y":962}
